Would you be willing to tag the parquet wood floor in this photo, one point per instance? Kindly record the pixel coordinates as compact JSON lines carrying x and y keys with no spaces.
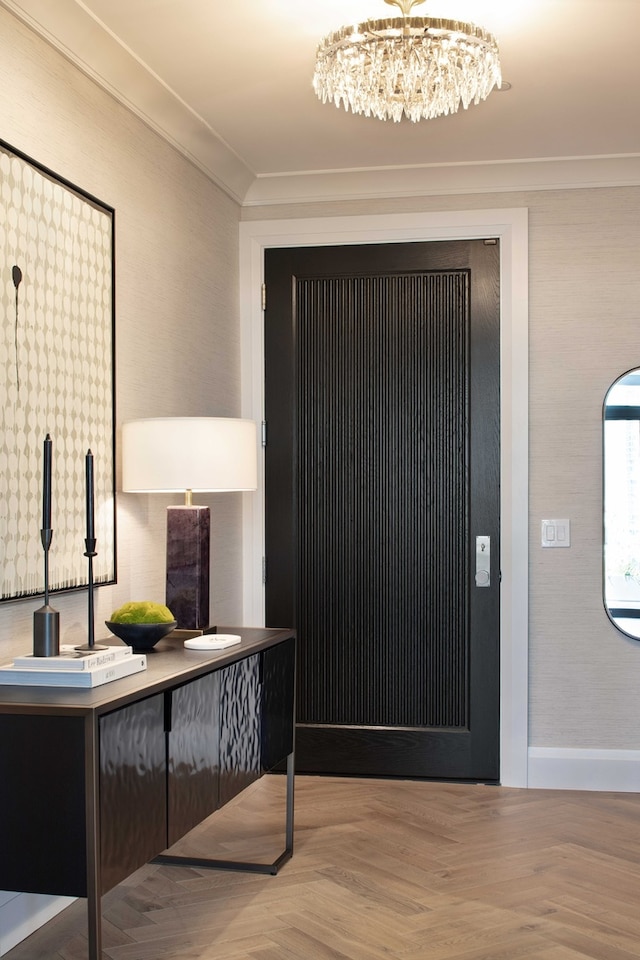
{"x":385,"y":870}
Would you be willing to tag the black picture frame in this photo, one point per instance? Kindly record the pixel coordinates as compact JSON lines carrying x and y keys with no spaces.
{"x":57,"y":376}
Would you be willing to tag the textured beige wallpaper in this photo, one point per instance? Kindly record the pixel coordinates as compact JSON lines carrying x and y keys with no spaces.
{"x":177,"y":338}
{"x":584,"y":248}
{"x":584,"y":332}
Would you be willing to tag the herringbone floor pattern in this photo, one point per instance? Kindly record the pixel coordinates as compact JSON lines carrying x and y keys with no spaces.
{"x":386,"y":869}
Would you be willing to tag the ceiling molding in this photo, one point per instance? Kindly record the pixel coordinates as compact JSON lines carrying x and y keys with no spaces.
{"x":445,"y":179}
{"x":68,"y":27}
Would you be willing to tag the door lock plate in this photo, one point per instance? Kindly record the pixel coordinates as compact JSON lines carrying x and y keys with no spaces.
{"x":483,"y":561}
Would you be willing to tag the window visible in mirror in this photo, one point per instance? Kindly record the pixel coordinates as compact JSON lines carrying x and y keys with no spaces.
{"x":621,"y":452}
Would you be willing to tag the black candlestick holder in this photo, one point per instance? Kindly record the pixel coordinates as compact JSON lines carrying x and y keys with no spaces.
{"x":46,"y":620}
{"x":90,"y":553}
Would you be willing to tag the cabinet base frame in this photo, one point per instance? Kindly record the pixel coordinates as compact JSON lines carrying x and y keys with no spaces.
{"x":211,"y":863}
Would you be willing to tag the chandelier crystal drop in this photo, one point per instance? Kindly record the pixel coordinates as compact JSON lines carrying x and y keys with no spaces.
{"x":415,"y":67}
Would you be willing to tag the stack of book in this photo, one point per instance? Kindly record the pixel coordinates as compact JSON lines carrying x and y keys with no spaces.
{"x":73,"y":668}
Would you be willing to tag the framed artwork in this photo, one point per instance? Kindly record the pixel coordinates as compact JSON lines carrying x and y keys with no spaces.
{"x":56,"y":377}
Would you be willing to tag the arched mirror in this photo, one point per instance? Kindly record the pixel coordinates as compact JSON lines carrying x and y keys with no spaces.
{"x":621,"y":452}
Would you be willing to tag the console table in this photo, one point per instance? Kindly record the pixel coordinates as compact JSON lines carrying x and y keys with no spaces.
{"x":95,"y":783}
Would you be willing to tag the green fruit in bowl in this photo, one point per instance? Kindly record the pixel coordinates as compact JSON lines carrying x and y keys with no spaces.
{"x":144,"y":611}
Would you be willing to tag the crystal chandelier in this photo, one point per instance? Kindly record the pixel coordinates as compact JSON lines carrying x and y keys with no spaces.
{"x":418,"y":67}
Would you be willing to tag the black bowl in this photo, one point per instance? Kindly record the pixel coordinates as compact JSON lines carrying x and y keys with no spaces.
{"x":141,"y":636}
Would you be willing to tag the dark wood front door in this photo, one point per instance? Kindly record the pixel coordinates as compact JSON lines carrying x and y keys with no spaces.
{"x":382,"y":470}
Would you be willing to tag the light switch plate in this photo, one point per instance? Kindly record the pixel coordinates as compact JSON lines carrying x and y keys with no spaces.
{"x":556,"y":533}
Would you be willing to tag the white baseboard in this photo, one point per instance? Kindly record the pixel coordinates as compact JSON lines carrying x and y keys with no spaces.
{"x":22,"y":913}
{"x":559,"y":768}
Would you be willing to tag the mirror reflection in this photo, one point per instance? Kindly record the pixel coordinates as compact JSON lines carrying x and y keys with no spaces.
{"x":621,"y":430}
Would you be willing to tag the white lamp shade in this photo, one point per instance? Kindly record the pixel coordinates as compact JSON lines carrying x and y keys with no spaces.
{"x":170,"y":454}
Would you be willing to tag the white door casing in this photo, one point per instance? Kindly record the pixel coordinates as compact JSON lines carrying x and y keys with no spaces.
{"x":511,"y":227}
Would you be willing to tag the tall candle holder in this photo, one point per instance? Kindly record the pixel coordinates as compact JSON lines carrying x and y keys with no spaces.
{"x":46,"y":620}
{"x":90,"y":645}
{"x":90,"y":553}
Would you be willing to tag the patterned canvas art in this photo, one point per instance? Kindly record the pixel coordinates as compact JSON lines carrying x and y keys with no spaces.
{"x":56,"y":376}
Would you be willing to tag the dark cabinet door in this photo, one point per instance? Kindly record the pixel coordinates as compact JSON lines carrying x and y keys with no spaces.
{"x":193,"y":754}
{"x":42,"y":805}
{"x":133,"y":808}
{"x":278,"y":697}
{"x":239,"y":726}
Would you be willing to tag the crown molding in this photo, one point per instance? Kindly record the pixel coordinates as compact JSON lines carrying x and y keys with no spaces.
{"x":71,"y":29}
{"x":445,"y":179}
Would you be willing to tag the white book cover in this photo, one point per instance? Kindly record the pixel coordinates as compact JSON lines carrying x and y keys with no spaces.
{"x":71,"y":659}
{"x":122,"y":667}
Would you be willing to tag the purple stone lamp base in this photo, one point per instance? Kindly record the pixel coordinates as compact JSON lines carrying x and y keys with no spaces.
{"x":188,"y":530}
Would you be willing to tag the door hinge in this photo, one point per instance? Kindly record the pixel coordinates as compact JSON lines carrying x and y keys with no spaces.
{"x":264,"y":433}
{"x":264,"y":569}
{"x":263,"y":296}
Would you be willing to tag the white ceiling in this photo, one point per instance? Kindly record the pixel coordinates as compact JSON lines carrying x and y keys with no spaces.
{"x":229,"y":83}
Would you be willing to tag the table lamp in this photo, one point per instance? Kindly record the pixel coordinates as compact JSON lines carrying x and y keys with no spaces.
{"x":189,"y":454}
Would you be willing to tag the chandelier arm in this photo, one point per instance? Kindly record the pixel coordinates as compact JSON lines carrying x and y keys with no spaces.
{"x":405,"y":5}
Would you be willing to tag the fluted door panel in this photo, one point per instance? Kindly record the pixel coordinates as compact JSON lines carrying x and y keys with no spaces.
{"x":382,"y":473}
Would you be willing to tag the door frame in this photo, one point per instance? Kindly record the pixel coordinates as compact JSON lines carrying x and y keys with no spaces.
{"x":510,"y":225}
